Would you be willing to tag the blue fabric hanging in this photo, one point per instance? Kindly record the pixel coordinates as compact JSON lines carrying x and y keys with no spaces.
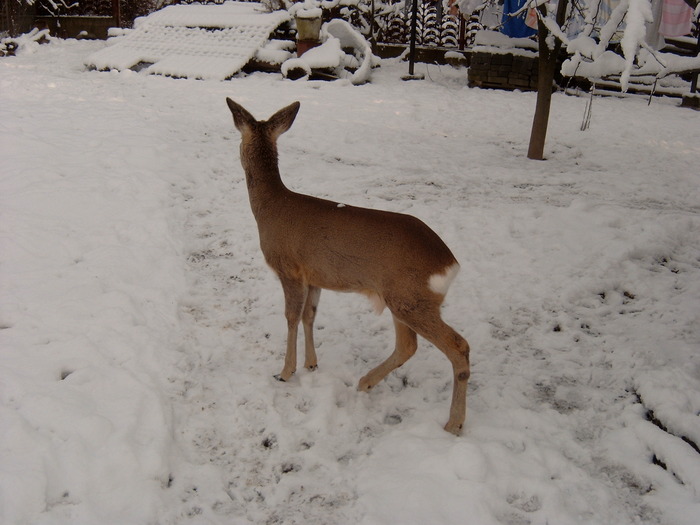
{"x":515,"y":26}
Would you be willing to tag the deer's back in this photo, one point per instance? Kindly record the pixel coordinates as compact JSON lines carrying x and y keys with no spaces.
{"x":341,"y":247}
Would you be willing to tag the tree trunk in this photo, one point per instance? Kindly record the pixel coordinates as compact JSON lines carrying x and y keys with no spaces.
{"x":547,"y":61}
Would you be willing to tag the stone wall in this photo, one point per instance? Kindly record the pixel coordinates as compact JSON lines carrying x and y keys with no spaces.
{"x":503,"y":70}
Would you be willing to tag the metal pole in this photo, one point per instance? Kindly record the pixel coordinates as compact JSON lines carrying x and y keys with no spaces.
{"x":694,"y":81}
{"x":373,"y":31}
{"x":414,"y":26}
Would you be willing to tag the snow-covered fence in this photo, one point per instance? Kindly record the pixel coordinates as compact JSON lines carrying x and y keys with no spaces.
{"x":65,"y":19}
{"x":391,"y":23}
{"x":16,"y":18}
{"x":388,"y":22}
{"x":77,"y":26}
{"x":435,"y":27}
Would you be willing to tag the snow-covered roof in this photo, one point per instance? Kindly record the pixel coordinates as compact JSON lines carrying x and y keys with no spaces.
{"x":195,"y":41}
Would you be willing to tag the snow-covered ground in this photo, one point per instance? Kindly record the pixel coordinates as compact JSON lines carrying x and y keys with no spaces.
{"x":140,"y":328}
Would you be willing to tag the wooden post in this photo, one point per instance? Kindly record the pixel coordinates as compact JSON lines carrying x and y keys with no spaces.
{"x":694,"y":81}
{"x":116,"y":13}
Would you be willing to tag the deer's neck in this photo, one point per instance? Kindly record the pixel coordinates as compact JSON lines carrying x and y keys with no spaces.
{"x":264,"y":183}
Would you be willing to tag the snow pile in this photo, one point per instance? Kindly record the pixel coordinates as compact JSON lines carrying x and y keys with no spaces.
{"x":301,"y":10}
{"x":498,"y":39}
{"x":194,"y":41}
{"x":275,"y":52}
{"x":140,"y":327}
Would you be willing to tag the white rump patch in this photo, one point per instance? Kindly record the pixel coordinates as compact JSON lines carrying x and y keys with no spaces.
{"x":440,"y":282}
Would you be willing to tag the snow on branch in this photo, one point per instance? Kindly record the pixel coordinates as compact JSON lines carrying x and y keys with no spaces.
{"x":590,"y":46}
{"x":52,"y":6}
{"x":638,"y":14}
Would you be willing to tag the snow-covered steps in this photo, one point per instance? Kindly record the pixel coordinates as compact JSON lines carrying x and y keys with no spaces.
{"x":193,"y":41}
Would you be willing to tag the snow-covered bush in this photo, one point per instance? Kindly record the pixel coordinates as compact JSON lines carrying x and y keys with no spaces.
{"x":26,"y":43}
{"x":344,"y":52}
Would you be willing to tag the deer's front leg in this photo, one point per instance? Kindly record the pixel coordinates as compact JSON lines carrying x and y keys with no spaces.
{"x":307,"y":320}
{"x":295,"y":293}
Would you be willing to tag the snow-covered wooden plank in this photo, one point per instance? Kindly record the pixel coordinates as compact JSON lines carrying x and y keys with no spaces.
{"x":195,"y":41}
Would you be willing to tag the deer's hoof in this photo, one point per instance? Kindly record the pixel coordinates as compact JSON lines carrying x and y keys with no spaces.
{"x":312,"y":368}
{"x":452,"y":428}
{"x":279,"y":378}
{"x":364,"y":385}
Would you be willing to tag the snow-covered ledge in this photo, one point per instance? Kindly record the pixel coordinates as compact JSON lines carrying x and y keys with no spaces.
{"x":498,"y":43}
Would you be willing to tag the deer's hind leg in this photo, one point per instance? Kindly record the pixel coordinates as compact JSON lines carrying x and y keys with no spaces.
{"x":406,"y":345}
{"x":428,"y":324}
{"x":456,"y":348}
{"x":307,"y":319}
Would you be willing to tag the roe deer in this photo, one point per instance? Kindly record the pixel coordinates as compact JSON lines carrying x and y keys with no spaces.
{"x":312,"y":243}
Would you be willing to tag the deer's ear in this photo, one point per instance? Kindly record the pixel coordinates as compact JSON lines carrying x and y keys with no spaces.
{"x":283,"y":119}
{"x":241,"y":117}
